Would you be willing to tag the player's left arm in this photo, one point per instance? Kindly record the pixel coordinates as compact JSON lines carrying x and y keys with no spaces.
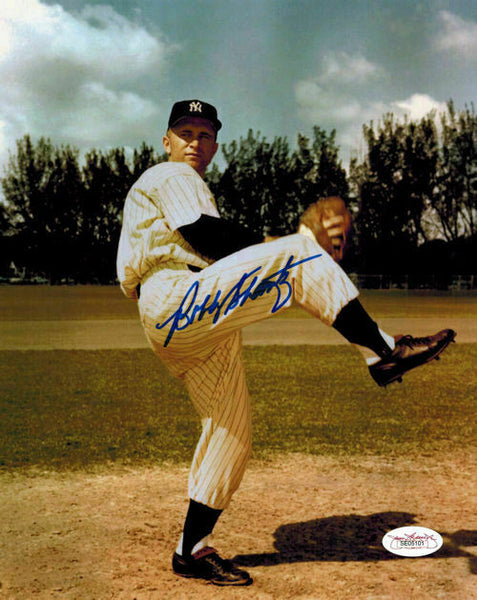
{"x":216,"y":238}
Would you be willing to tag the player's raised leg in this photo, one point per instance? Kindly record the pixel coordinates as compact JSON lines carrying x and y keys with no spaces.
{"x":193,"y":313}
{"x":257,"y":282}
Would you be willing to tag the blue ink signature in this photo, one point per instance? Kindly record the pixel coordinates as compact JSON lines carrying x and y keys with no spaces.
{"x":189,"y":310}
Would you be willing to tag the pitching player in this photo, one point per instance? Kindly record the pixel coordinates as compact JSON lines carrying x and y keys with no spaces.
{"x":199,"y":280}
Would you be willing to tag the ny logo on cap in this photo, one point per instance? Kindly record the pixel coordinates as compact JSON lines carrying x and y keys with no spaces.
{"x":195,"y":107}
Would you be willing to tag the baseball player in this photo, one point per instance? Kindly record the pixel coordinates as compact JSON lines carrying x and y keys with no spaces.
{"x":199,"y":280}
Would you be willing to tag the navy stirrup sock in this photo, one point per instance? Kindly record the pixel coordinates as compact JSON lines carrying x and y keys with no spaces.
{"x":200,"y":521}
{"x":354,"y":323}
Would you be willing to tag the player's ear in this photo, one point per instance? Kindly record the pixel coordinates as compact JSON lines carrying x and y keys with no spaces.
{"x":167,"y":144}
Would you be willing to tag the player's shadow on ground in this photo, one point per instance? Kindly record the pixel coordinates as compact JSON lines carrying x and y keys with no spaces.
{"x":350,"y":538}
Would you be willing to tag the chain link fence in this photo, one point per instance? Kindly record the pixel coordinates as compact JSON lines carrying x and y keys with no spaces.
{"x":415,"y":282}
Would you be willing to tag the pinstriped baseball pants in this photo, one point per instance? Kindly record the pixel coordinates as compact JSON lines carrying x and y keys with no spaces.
{"x":206,"y":353}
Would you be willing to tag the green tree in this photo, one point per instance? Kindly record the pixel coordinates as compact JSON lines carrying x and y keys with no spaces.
{"x":330,"y":177}
{"x":43,"y":191}
{"x":266,"y":186}
{"x":455,"y":200}
{"x":107,"y":178}
{"x":6,"y":240}
{"x":316,"y":168}
{"x":61,"y":221}
{"x":255,"y":186}
{"x":144,"y":158}
{"x":394,"y":186}
{"x":418,"y":183}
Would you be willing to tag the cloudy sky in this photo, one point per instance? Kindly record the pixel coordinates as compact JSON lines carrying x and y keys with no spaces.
{"x":105,"y":73}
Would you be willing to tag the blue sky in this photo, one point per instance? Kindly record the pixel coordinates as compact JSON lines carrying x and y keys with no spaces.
{"x":104,"y":74}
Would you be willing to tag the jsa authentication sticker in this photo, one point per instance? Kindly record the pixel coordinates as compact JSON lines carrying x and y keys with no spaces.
{"x":412,"y":541}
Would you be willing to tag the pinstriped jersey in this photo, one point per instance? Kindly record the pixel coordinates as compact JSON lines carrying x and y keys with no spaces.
{"x":165,"y":197}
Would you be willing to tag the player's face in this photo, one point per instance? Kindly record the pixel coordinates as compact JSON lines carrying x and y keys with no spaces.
{"x":192,"y":141}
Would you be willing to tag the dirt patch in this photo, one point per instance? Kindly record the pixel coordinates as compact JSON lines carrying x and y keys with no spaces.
{"x":305,"y":527}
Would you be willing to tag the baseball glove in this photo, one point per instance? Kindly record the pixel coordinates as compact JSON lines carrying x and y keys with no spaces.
{"x":329,"y":222}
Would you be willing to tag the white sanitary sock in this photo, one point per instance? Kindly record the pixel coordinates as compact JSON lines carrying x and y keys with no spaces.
{"x":371,"y":357}
{"x":202,"y":544}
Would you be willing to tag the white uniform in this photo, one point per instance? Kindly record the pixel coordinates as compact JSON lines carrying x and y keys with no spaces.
{"x":193,"y":320}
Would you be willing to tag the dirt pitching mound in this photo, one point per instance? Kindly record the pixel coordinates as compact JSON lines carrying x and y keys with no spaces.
{"x":305,"y":527}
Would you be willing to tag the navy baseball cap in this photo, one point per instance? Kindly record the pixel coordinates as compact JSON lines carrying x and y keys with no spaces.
{"x":194,"y":108}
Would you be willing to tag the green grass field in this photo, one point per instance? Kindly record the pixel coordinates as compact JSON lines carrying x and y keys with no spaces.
{"x":83,"y":409}
{"x":38,"y":303}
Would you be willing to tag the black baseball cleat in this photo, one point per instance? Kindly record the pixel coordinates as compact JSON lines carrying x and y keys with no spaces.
{"x":207,"y":564}
{"x":409,"y":353}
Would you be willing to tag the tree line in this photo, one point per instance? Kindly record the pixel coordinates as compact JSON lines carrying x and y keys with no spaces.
{"x":413,"y":195}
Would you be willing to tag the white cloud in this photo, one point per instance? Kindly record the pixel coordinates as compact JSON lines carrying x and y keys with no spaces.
{"x":336,"y":107}
{"x":331,"y":94}
{"x":73,"y":76}
{"x":97,"y":39}
{"x":417,"y":106}
{"x":316,"y":102}
{"x":457,"y":35}
{"x":340,"y":104}
{"x":343,"y":68}
{"x":101,"y":113}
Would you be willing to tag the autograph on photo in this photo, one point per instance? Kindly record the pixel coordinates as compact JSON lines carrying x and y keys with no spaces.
{"x":248,"y":287}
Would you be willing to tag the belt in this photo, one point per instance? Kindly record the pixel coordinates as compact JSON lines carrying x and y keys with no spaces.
{"x":194,"y":268}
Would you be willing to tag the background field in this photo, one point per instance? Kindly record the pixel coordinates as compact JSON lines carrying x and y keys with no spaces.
{"x":37,"y":303}
{"x":82,"y":409}
{"x":94,"y":447}
{"x":78,"y":409}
